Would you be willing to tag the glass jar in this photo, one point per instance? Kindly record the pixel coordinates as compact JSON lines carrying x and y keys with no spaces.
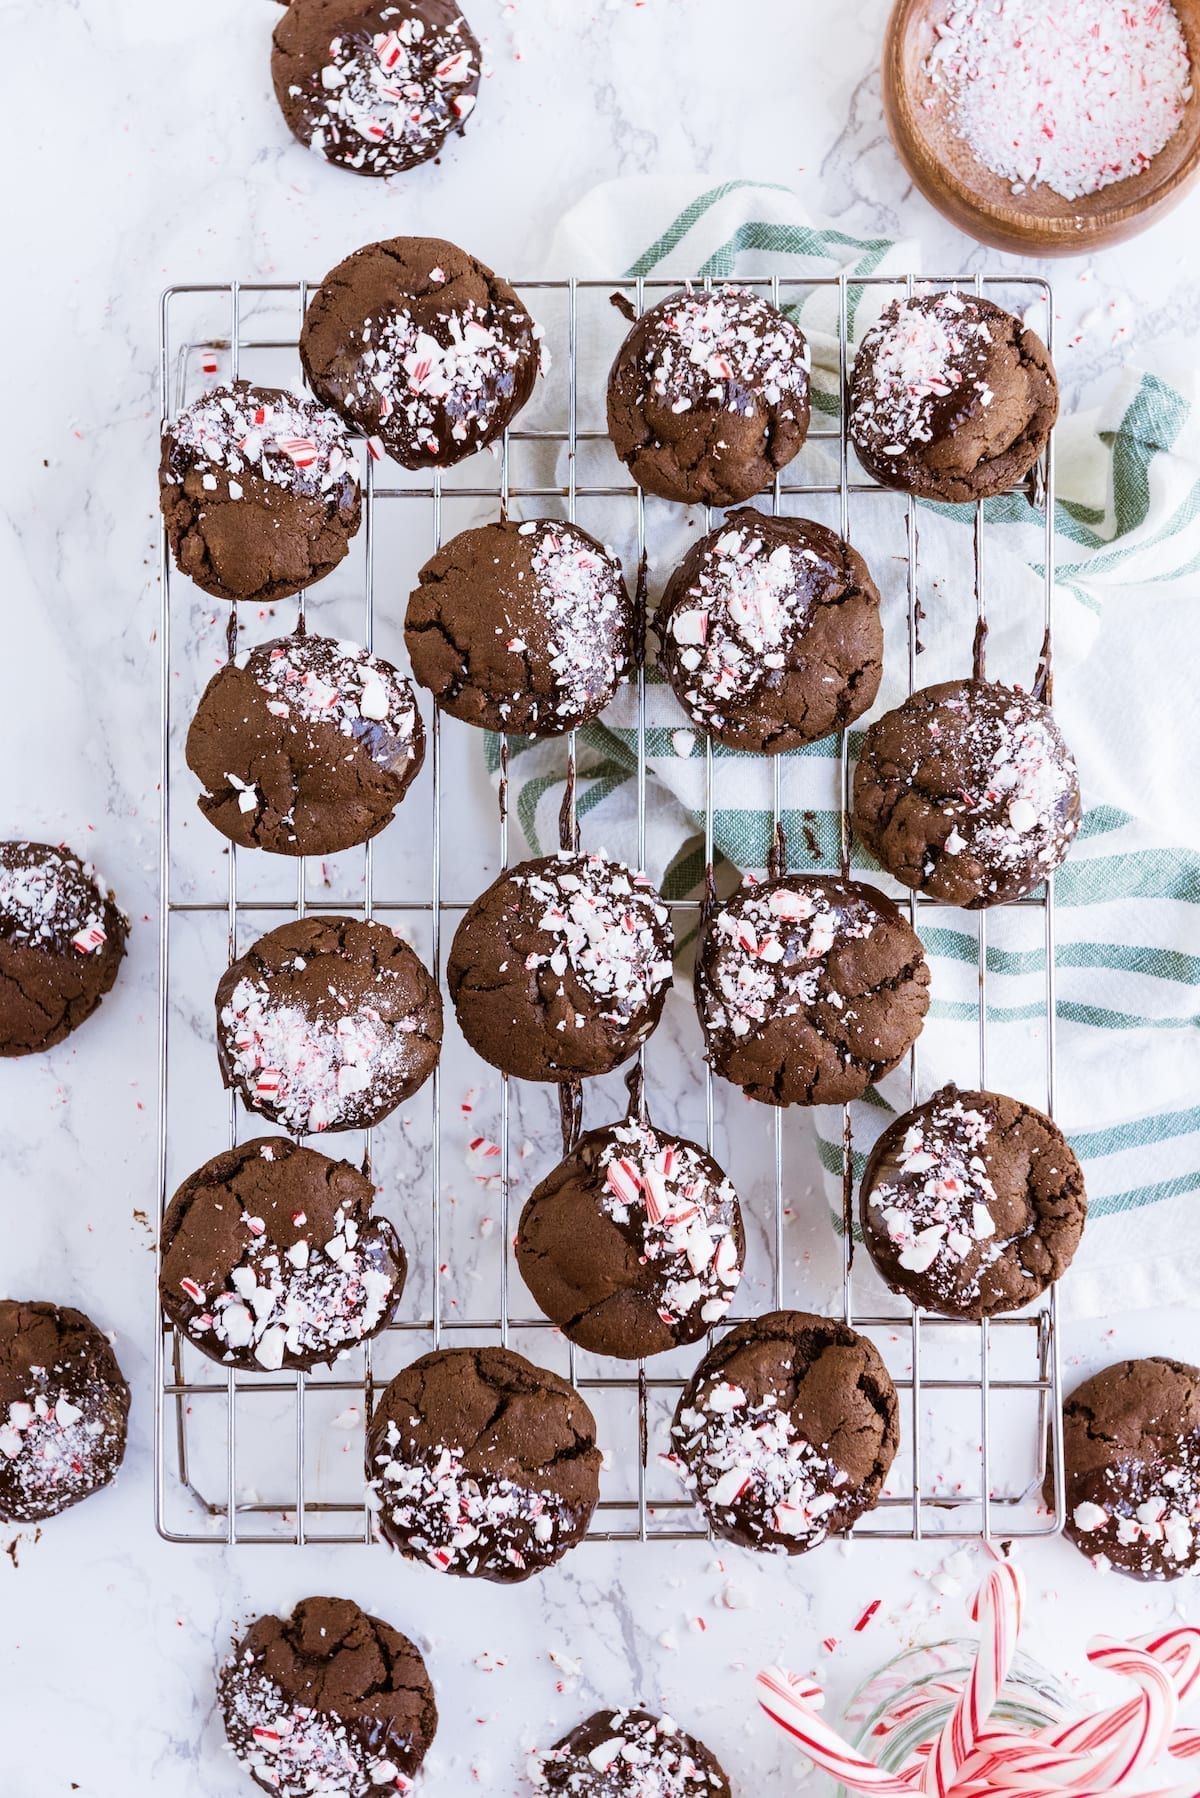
{"x":888,"y":1717}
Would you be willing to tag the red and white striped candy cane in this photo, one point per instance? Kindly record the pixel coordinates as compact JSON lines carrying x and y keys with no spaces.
{"x":790,"y":1701}
{"x":997,"y":1609}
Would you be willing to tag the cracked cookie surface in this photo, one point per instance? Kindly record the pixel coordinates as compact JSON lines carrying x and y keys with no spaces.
{"x":770,"y":633}
{"x":482,"y":1464}
{"x":951,"y":398}
{"x":629,"y":1754}
{"x":967,"y":792}
{"x":327,"y":1701}
{"x":634,"y":1244}
{"x":418,"y":344}
{"x":272,"y":1257}
{"x":305,"y":746}
{"x":1132,"y":1453}
{"x":525,"y":628}
{"x":376,"y":86}
{"x":259,"y":492}
{"x":327,"y":1023}
{"x":786,"y":1431}
{"x":64,"y":1405}
{"x":62,"y":939}
{"x":972,"y":1204}
{"x":808,"y":988}
{"x":708,"y":396}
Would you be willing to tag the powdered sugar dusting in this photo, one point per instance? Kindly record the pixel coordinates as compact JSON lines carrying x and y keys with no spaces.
{"x":249,"y":431}
{"x":923,"y":349}
{"x":936,"y":1202}
{"x":49,"y":899}
{"x":609,"y":927}
{"x":722,"y":347}
{"x":1072,"y":98}
{"x":749,"y":1465}
{"x":292,"y":1749}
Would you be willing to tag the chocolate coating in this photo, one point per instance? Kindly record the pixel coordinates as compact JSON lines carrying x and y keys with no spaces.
{"x":951,"y":398}
{"x":376,"y":86}
{"x":629,"y":1754}
{"x":421,"y":345}
{"x":562,"y":967}
{"x":809,"y":988}
{"x":968,"y":793}
{"x":526,"y":628}
{"x":272,"y":1257}
{"x":708,"y":396}
{"x":634,"y":1243}
{"x":62,"y":939}
{"x":328,"y":1700}
{"x":786,"y":1431}
{"x":259,"y":490}
{"x":770,"y":633}
{"x":482,"y":1464}
{"x":327,"y":1023}
{"x":305,"y":746}
{"x":972,"y":1204}
{"x":63,"y":1410}
{"x":1132,"y":1452}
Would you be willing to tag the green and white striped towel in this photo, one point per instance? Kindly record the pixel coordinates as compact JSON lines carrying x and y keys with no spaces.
{"x":1127,"y":529}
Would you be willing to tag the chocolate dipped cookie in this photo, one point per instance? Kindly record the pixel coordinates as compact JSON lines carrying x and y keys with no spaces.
{"x":629,"y":1754}
{"x":64,"y":1405}
{"x":62,"y":939}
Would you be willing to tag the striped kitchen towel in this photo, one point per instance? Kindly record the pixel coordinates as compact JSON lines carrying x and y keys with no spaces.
{"x":1127,"y":550}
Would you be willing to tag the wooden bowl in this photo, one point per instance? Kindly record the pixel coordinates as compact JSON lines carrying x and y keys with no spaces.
{"x":1037,"y":222}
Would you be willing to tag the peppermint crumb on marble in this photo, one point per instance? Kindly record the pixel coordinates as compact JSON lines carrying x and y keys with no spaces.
{"x":923,"y":349}
{"x":607,"y":923}
{"x":385,"y":100}
{"x":242,"y":431}
{"x":1071,"y":98}
{"x":685,"y":1220}
{"x":292,"y":1749}
{"x":732,"y":1447}
{"x":55,"y":902}
{"x":937,"y":1211}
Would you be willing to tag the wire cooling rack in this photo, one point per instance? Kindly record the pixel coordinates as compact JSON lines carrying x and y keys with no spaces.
{"x":278,"y":1457}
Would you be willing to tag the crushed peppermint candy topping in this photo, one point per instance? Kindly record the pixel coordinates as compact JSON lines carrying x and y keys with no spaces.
{"x":626,"y":1754}
{"x":608,"y":926}
{"x":294,"y":1750}
{"x":923,"y":350}
{"x":771,"y":942}
{"x":55,"y":1448}
{"x":233,"y":433}
{"x":1070,"y":98}
{"x":580,"y":604}
{"x":1151,"y":1511}
{"x":740,"y":618}
{"x":49,"y":899}
{"x":317,"y":680}
{"x":386,"y":100}
{"x":458,"y":1520}
{"x":314,"y":1073}
{"x":935,"y":1199}
{"x":748,"y":1461}
{"x":662,"y":1187}
{"x":723,"y":348}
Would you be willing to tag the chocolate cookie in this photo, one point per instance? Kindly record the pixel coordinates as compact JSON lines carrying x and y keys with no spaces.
{"x":809,"y":988}
{"x":968,"y":793}
{"x":562,"y":967}
{"x":62,"y":938}
{"x":972,"y":1204}
{"x":951,"y":398}
{"x":708,"y":396}
{"x":63,"y":1410}
{"x":305,"y":746}
{"x":421,"y":345}
{"x":634,"y":1244}
{"x":527,"y":628}
{"x":629,"y":1754}
{"x":328,"y":1024}
{"x":271,"y":1257}
{"x":375,"y":85}
{"x":259,"y":490}
{"x":1132,"y":1449}
{"x":786,"y":1431}
{"x":482,"y":1464}
{"x":328,"y":1700}
{"x":770,"y":633}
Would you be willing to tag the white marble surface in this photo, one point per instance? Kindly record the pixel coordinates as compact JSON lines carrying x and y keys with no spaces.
{"x":152,"y":152}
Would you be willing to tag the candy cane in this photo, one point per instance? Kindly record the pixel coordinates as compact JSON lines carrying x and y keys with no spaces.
{"x":790,"y":1702}
{"x":997,"y":1610}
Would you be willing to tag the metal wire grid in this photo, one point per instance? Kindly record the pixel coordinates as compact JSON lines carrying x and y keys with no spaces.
{"x":993,"y":1507}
